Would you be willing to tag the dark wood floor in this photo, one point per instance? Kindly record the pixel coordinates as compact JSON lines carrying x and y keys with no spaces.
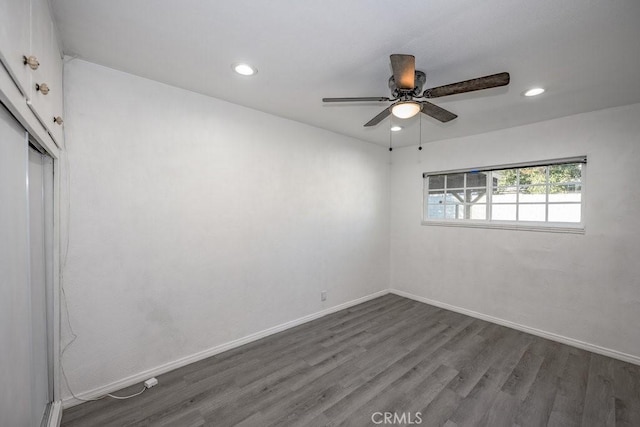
{"x":393,"y":355}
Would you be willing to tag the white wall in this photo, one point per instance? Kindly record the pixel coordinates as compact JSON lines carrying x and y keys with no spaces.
{"x":195,"y":222}
{"x":585,"y":287}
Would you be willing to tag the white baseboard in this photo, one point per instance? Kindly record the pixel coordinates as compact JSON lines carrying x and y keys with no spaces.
{"x":159,"y":370}
{"x":533,"y":331}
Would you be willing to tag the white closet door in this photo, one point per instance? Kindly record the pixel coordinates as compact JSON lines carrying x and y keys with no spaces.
{"x":15,"y":304}
{"x":38,"y":279}
{"x":24,"y":374}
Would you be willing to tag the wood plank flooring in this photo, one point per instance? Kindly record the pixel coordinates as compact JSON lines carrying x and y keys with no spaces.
{"x":388,"y":355}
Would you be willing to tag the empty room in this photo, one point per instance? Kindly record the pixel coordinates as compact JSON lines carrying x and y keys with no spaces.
{"x":319,"y":213}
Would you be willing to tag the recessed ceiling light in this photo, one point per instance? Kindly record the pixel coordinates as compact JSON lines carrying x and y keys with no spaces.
{"x":395,"y":128}
{"x":533,"y":92}
{"x":244,"y":69}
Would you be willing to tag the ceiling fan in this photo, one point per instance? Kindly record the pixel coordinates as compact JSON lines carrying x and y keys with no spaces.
{"x":406,"y":89}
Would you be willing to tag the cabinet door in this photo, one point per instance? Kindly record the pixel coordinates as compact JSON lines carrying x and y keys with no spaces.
{"x":41,"y":47}
{"x":56,"y":90}
{"x":15,"y":40}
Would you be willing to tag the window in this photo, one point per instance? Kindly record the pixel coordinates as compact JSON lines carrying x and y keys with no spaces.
{"x":541,"y":195}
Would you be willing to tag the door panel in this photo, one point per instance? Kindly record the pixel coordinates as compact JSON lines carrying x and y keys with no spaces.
{"x":39,"y":349}
{"x":24,"y":270}
{"x":15,"y":319}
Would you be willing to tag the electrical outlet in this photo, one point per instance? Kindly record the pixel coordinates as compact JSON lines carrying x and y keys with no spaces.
{"x":323,"y":295}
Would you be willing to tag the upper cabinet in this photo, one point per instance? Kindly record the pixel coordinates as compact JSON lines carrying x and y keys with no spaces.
{"x":55,"y":77}
{"x":29,"y":50}
{"x":15,"y":40}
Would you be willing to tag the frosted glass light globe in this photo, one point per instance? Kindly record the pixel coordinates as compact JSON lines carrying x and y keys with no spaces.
{"x":404,"y":110}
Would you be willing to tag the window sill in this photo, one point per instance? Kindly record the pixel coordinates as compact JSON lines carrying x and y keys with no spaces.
{"x":545,"y":228}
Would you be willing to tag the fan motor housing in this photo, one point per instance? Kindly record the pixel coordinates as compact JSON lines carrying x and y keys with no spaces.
{"x":420,"y":80}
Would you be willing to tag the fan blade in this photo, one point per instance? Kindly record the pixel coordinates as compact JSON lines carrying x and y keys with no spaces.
{"x":436,"y":112}
{"x":487,"y":82}
{"x":370,"y":99}
{"x":380,"y":117}
{"x":404,"y":71}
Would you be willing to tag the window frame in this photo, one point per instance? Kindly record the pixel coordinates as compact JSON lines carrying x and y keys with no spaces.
{"x":544,"y":226}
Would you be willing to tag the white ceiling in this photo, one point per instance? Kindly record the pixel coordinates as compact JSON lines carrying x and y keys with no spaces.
{"x":586,"y":53}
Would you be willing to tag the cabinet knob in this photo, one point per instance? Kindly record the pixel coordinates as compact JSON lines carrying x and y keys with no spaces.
{"x":43,"y":88}
{"x":31,"y":61}
{"x":58,"y":120}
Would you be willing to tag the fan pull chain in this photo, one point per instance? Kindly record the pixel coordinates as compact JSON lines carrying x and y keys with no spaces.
{"x":420,"y":143}
{"x":390,"y":125}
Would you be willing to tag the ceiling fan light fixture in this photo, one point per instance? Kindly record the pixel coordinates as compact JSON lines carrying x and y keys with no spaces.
{"x":534,"y":91}
{"x":244,"y":69}
{"x":405,"y":110}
